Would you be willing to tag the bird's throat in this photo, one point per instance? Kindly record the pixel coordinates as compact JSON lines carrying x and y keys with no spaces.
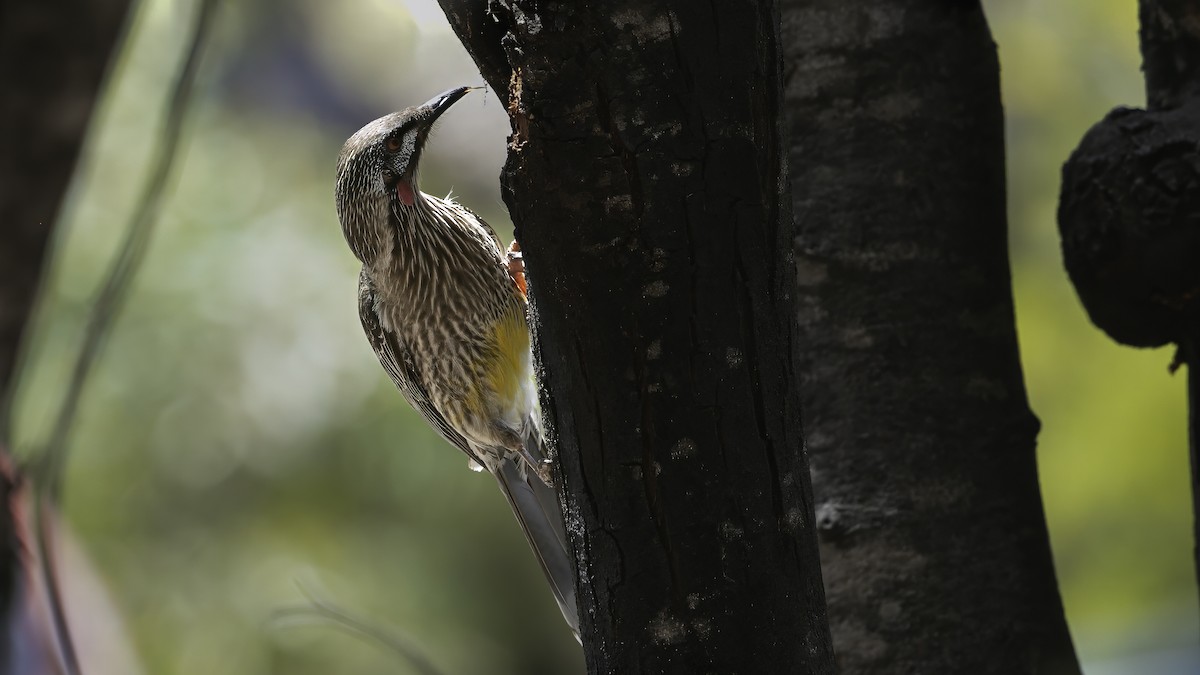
{"x":405,"y":192}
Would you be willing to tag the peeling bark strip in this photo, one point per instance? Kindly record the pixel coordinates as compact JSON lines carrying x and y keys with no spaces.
{"x":1129,"y":210}
{"x":922,"y":444}
{"x":647,"y":184}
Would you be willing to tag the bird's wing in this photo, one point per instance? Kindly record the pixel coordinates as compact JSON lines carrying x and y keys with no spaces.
{"x":398,"y":363}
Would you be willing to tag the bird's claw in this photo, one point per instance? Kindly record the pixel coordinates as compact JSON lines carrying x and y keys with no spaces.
{"x":543,"y":471}
{"x":540,"y":467}
{"x":516,"y":266}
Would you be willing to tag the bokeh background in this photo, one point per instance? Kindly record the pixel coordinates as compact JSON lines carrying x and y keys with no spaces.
{"x":240,"y":443}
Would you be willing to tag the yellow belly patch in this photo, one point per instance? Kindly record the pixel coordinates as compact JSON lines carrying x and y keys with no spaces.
{"x":508,"y":371}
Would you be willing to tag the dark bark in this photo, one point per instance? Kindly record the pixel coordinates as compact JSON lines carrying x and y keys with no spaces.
{"x":1129,"y":211}
{"x":922,"y":445}
{"x":482,"y":32}
{"x":1170,"y":37}
{"x":1128,"y":219}
{"x":53,"y":57}
{"x":649,"y":194}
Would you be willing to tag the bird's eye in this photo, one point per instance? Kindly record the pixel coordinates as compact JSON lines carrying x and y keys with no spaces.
{"x":392,"y":143}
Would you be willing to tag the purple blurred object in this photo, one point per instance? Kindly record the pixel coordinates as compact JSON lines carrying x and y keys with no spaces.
{"x":31,"y":643}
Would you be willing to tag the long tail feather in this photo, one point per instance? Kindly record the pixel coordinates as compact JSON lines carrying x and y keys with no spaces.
{"x":536,"y":508}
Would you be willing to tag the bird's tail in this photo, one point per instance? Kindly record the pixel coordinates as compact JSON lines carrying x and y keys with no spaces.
{"x":536,"y":506}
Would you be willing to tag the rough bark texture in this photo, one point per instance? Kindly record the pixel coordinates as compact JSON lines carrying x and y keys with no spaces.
{"x":1129,"y":211}
{"x":922,"y":445}
{"x":52,"y":59}
{"x":649,"y":193}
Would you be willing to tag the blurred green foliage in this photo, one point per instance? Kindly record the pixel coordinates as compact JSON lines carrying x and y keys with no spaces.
{"x":240,"y":437}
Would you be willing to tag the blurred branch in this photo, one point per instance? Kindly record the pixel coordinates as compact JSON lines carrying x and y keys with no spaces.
{"x":45,"y":118}
{"x":129,"y":257}
{"x":325,"y":611}
{"x":104,"y":308}
{"x":48,"y":103}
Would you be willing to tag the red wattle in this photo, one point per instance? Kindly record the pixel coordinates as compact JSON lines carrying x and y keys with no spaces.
{"x":404,"y":191}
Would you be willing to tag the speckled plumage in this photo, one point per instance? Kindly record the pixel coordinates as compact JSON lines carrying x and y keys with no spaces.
{"x":446,"y":316}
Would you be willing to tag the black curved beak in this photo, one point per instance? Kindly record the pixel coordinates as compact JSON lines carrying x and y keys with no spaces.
{"x":442,"y":102}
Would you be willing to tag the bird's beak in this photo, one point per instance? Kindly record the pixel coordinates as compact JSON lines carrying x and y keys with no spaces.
{"x":442,"y":102}
{"x":426,"y":114}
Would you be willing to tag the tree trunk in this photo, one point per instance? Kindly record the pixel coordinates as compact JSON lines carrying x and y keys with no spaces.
{"x":934,"y":546}
{"x":647,"y":185}
{"x":52,"y":59}
{"x":1129,"y":207}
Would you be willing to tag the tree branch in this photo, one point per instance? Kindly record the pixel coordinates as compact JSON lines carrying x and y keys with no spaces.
{"x":1130,"y":204}
{"x":104,"y":308}
{"x":1170,"y":37}
{"x":46,"y":111}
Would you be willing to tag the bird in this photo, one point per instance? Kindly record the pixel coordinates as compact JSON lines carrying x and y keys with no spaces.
{"x":443,"y":304}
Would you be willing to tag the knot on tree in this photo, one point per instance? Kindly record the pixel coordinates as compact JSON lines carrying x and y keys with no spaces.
{"x":1129,"y":218}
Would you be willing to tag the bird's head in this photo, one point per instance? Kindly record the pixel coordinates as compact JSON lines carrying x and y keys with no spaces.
{"x":377,"y":171}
